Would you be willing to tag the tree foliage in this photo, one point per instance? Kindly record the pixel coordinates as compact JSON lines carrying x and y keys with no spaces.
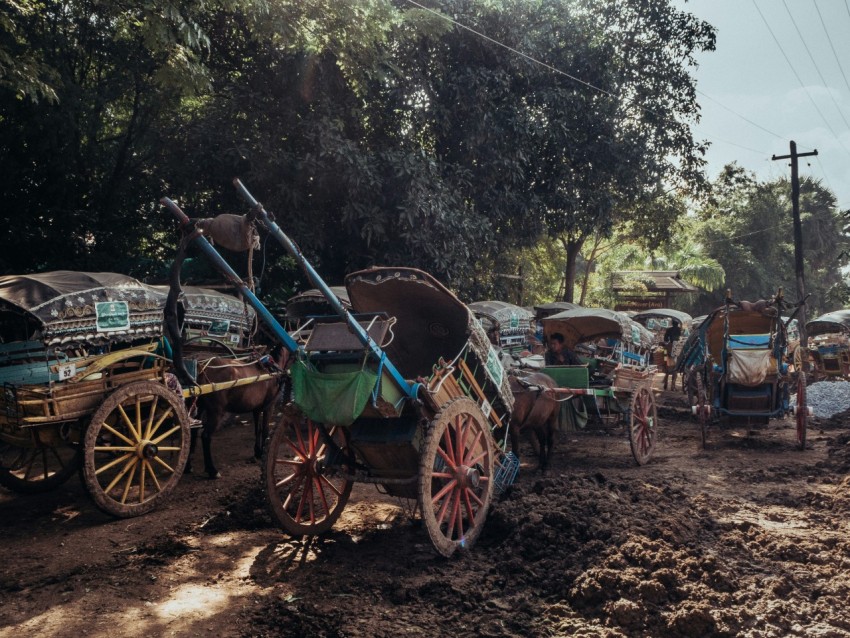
{"x":747,"y":228}
{"x":380,"y":133}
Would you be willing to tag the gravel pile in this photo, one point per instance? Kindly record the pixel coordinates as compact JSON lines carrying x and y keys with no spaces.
{"x":827,"y":398}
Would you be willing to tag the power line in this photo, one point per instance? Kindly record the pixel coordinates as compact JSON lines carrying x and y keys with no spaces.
{"x":799,"y":79}
{"x":519,"y":53}
{"x":817,"y":68}
{"x":735,"y":144}
{"x":838,"y":204}
{"x":829,"y":39}
{"x":755,"y":232}
{"x":746,"y":119}
{"x":580,"y":81}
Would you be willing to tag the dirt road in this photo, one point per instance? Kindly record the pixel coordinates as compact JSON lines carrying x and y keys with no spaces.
{"x":747,"y":538}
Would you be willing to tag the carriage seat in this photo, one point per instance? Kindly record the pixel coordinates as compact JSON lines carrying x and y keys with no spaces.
{"x":569,"y":376}
{"x":331,"y":338}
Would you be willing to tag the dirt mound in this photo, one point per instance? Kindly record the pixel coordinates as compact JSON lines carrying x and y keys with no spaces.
{"x":749,"y":537}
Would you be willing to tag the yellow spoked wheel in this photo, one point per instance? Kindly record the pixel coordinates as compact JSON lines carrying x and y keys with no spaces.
{"x":135,"y":448}
{"x":28,"y":465}
{"x":456,"y":476}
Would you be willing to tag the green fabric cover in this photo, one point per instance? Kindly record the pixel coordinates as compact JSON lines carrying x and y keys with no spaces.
{"x":336,"y":398}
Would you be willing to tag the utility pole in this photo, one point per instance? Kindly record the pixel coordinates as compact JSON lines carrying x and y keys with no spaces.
{"x":798,"y":238}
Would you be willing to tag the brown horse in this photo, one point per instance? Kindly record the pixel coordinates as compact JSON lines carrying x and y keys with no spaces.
{"x":535,"y":409}
{"x":258,"y":398}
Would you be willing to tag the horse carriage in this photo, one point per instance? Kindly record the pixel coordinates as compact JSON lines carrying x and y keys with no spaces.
{"x":616,"y":376}
{"x":829,"y":348}
{"x":72,"y":368}
{"x":666,"y":351}
{"x":736,"y":368}
{"x":510,"y":327}
{"x":407,"y":394}
{"x":87,"y":383}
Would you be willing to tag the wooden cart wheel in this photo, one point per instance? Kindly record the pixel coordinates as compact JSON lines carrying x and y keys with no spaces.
{"x":802,"y":412}
{"x":31,"y":467}
{"x":702,"y":409}
{"x":643,"y":424}
{"x":136,"y":448}
{"x":456,"y":476}
{"x":306,"y":490}
{"x":797,"y":358}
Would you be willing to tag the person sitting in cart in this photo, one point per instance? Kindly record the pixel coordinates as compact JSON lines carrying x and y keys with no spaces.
{"x":559,"y":355}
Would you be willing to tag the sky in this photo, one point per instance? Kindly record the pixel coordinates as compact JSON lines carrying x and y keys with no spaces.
{"x":752,"y":102}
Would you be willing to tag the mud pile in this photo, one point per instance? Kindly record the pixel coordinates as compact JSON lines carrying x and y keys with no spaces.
{"x":644,"y":559}
{"x":595,"y":555}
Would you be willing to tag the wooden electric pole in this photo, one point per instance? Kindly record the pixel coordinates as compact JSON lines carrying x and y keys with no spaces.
{"x":798,"y":237}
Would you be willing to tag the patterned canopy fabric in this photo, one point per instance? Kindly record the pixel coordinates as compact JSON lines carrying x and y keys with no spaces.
{"x":503,"y":316}
{"x":663,"y":313}
{"x":67,"y":308}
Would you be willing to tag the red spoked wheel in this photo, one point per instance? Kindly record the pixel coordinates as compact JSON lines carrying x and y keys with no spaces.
{"x":802,"y":412}
{"x":456,"y":476}
{"x":643,"y":424}
{"x":306,"y":488}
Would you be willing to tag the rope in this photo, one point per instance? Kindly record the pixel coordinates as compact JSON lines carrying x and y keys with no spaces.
{"x":239,"y":362}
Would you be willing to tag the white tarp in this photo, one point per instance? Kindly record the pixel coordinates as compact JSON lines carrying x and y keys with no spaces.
{"x":750,"y":367}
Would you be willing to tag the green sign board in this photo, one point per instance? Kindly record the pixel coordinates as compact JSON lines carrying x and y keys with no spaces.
{"x":219,"y":327}
{"x":112,"y":316}
{"x":494,"y":367}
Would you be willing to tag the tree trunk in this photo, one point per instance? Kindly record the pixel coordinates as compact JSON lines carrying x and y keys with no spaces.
{"x":572,"y":248}
{"x":588,"y":265}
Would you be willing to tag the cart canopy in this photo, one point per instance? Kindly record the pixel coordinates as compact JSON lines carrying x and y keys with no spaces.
{"x":582,"y":325}
{"x":831,"y":322}
{"x":552,"y":308}
{"x":663,"y":313}
{"x":312,"y":302}
{"x":66,"y":308}
{"x":431,"y":321}
{"x":214,"y":313}
{"x":502,"y":316}
{"x":741,"y":323}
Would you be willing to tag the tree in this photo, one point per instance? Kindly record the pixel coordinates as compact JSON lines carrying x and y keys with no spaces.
{"x":609,"y":153}
{"x":747,"y":229}
{"x":79,"y":180}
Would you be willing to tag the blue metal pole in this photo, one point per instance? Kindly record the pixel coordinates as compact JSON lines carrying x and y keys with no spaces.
{"x":290,"y":246}
{"x":201,"y":242}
